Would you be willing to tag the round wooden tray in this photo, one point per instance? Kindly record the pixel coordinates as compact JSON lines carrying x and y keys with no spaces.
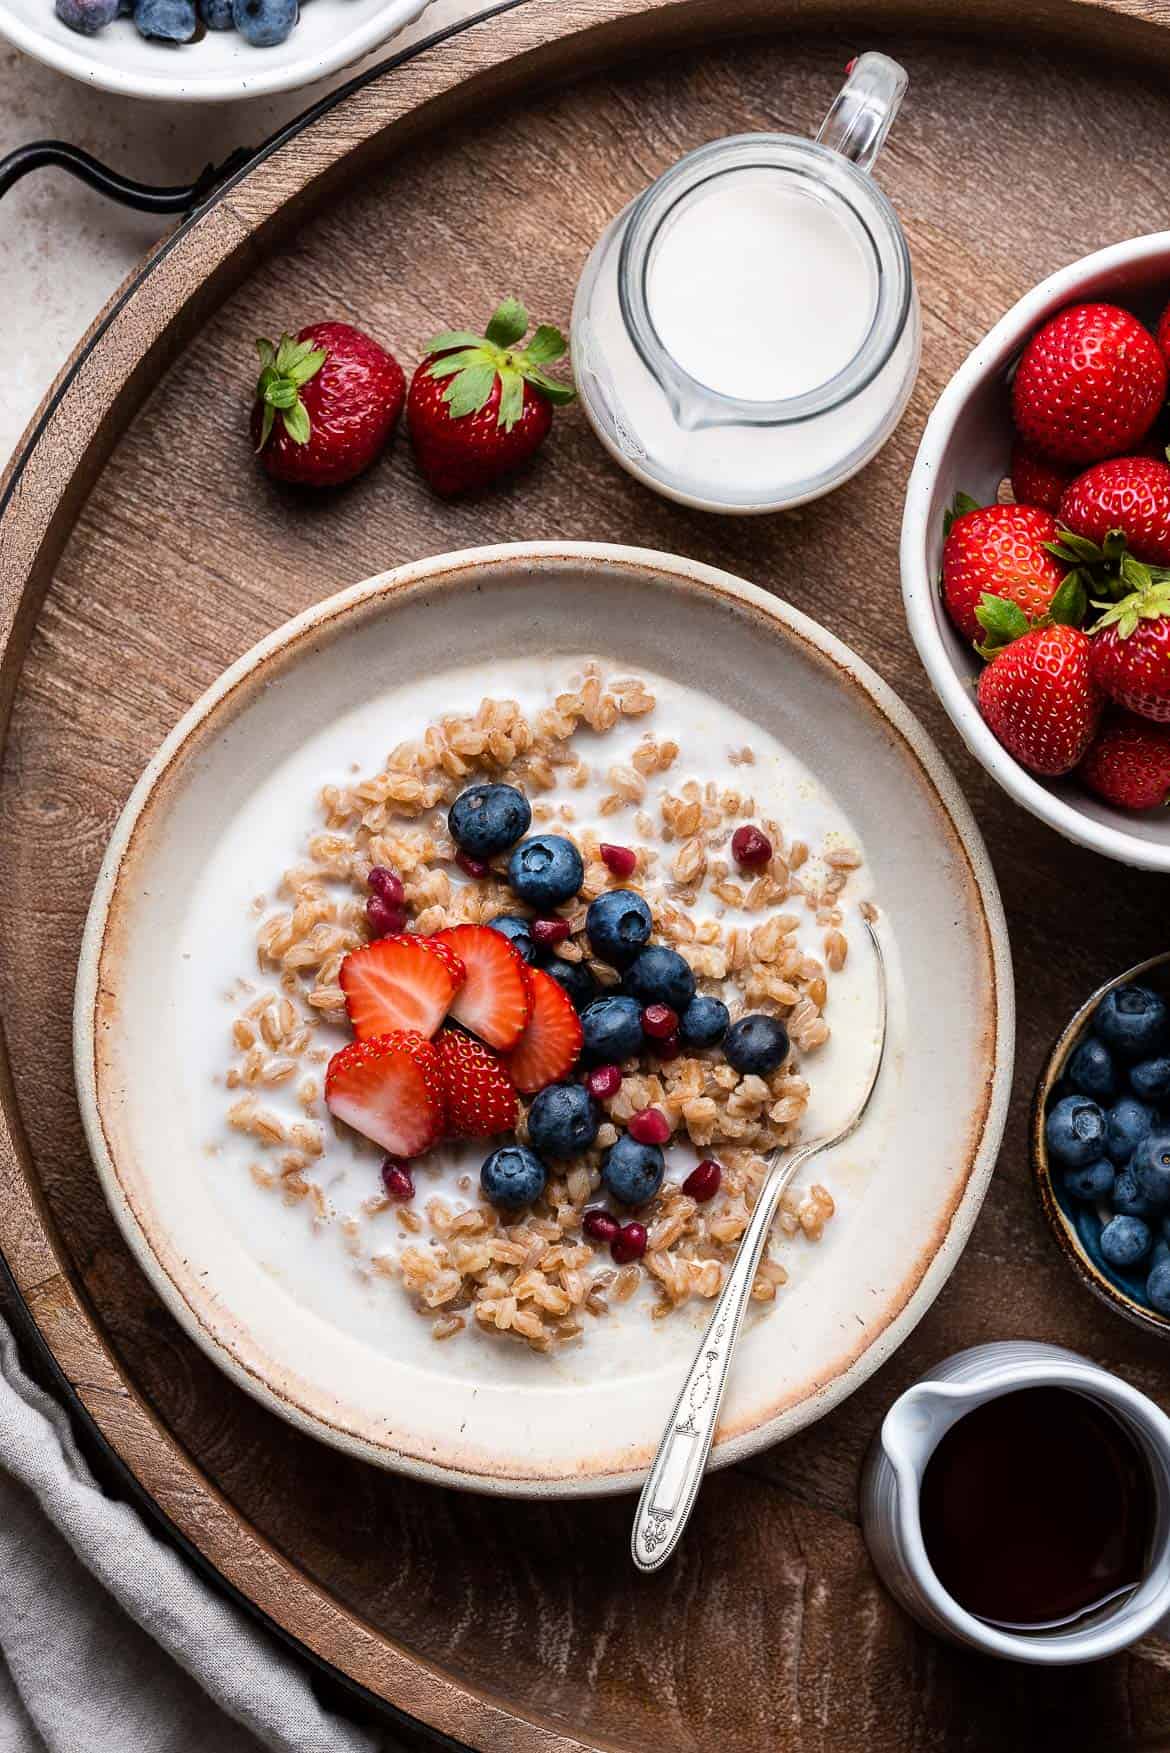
{"x":143,"y":551}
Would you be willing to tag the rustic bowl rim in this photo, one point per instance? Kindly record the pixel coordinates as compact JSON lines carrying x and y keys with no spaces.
{"x":989,"y":358}
{"x":1061,"y":1226}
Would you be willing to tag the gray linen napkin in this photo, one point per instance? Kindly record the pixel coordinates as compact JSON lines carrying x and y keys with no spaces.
{"x":108,"y":1642}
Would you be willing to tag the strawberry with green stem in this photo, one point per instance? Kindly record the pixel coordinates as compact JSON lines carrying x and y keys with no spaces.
{"x":479,"y":406}
{"x":327,"y":401}
{"x":1130,"y":656}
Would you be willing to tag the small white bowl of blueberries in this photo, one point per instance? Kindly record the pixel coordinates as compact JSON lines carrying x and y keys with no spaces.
{"x":1101,"y":1143}
{"x":202,"y":51}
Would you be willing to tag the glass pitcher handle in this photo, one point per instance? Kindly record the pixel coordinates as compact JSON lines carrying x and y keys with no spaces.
{"x":859,"y":119}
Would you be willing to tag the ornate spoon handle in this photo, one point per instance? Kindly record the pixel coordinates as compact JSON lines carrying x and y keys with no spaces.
{"x":672,"y":1486}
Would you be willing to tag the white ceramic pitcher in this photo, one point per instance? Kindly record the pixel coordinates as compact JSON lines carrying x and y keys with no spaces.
{"x":892,"y":1478}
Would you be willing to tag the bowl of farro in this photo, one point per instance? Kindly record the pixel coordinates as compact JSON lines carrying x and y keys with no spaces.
{"x":648,"y":711}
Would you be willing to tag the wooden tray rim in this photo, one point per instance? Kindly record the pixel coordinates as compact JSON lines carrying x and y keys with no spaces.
{"x":511,"y":47}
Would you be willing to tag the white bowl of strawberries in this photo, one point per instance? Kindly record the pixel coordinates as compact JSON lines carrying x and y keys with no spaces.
{"x":1036,"y":551}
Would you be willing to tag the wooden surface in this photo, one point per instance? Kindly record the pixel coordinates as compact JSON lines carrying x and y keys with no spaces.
{"x":517,"y":1627}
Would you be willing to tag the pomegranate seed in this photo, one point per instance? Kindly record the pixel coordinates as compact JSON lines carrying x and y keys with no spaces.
{"x":384,"y":919}
{"x":604,"y":1082}
{"x":622,"y":860}
{"x":649,"y":1126}
{"x":629,"y":1244}
{"x":668,"y":1048}
{"x":549,"y":930}
{"x":658,"y":1021}
{"x":751,"y":848}
{"x":600,"y":1225}
{"x":386,"y":886}
{"x":397,"y":1179}
{"x":703,"y":1182}
{"x":472,"y":867}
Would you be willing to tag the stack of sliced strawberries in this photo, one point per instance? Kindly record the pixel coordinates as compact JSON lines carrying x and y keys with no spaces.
{"x":447,"y":1029}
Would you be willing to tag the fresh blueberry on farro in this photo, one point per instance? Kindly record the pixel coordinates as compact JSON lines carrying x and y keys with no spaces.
{"x":517,"y":931}
{"x":618,"y":926}
{"x":513,"y":1176}
{"x":704,"y":1022}
{"x":545,"y":870}
{"x":563,"y":1120}
{"x":612,"y":1028}
{"x":756,"y":1044}
{"x":659,"y":975}
{"x":633,"y":1172}
{"x":486,"y":820}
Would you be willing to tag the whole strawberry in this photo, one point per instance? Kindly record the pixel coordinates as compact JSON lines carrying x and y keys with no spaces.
{"x":1129,"y":764}
{"x":326,"y":404}
{"x":1038,"y":697}
{"x":479,"y":406}
{"x":1036,"y":479}
{"x":1130,"y":494}
{"x":1131,"y":651}
{"x":1089,"y":384}
{"x":999,"y":550}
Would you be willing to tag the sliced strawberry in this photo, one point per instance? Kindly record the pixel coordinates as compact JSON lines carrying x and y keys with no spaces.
{"x":551,"y":1044}
{"x":494,"y":1001}
{"x":390,"y":1089}
{"x":446,"y":955}
{"x":478,"y":1091}
{"x":398,"y":983}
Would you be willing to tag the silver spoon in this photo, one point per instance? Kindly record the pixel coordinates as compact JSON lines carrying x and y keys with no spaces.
{"x":672,"y":1485}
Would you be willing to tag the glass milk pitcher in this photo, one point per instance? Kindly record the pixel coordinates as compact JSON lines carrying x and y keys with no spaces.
{"x":746,"y":333}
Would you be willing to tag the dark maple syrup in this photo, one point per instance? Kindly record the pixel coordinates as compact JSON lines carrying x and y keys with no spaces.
{"x":1036,"y":1508}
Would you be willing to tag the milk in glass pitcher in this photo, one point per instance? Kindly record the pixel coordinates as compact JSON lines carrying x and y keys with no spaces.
{"x":746,"y":333}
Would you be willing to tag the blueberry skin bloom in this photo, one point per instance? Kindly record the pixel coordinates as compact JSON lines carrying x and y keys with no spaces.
{"x":704,"y":1022}
{"x":1126,"y":1124}
{"x":1125,"y":1241}
{"x":1150,"y":1166}
{"x":618,"y":926}
{"x":87,"y":16}
{"x":612,"y":1028}
{"x":486,"y":819}
{"x":1091,"y":1070}
{"x":660,"y":976}
{"x":756,"y":1045}
{"x":512,"y":1176}
{"x":1127,"y":1197}
{"x":1093,"y":1183}
{"x":171,"y":21}
{"x":1158,"y":1287}
{"x":518,"y":932}
{"x":563,"y":1120}
{"x":633,"y":1172}
{"x":264,"y":23}
{"x":1132,"y":1020}
{"x":573,"y":978}
{"x":545,"y":870}
{"x":1151,"y":1079}
{"x":1075,"y":1132}
{"x":217,"y":14}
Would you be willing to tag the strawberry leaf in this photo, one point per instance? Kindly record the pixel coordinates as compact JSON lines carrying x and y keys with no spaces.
{"x":267,"y":354}
{"x":508,"y":323}
{"x":959,"y":506}
{"x":454,"y":362}
{"x":307,"y":366}
{"x":1074,"y":550}
{"x":452,"y":338}
{"x":296,"y":423}
{"x":280,"y":393}
{"x":469,"y":389}
{"x":557,"y":393}
{"x":266,"y":420}
{"x":1070,"y":605}
{"x":1131,"y":572}
{"x":1002,"y":621}
{"x":546,"y":345}
{"x":511,"y":398}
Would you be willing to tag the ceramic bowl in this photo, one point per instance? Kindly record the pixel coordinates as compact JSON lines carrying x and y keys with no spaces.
{"x":227,"y":804}
{"x":220,"y":67}
{"x":966,"y":447}
{"x":1074,"y":1225}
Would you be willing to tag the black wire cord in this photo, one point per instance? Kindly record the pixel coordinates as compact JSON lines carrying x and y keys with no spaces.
{"x":144,"y":197}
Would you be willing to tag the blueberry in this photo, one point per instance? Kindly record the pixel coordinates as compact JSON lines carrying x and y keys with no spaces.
{"x":1158,"y":1287}
{"x":1126,"y":1124}
{"x":217,"y":14}
{"x":1132,"y":1020}
{"x":264,"y":23}
{"x":487,"y":819}
{"x":1075,"y":1131}
{"x":756,"y":1044}
{"x":545,"y":870}
{"x":1124,"y":1240}
{"x":633,"y":1172}
{"x":660,"y":976}
{"x":1128,"y":1198}
{"x":512,"y":1176}
{"x":612,"y":1028}
{"x":1151,"y":1079}
{"x":1094,"y":1182}
{"x":171,"y":20}
{"x":1091,"y":1071}
{"x":618,"y":926}
{"x":573,"y":978}
{"x":704,"y":1022}
{"x":1150,"y":1166}
{"x":563,"y":1120}
{"x":518,"y":933}
{"x":87,"y":16}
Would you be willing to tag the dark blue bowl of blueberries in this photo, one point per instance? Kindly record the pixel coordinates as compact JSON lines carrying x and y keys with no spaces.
{"x":1101,"y":1143}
